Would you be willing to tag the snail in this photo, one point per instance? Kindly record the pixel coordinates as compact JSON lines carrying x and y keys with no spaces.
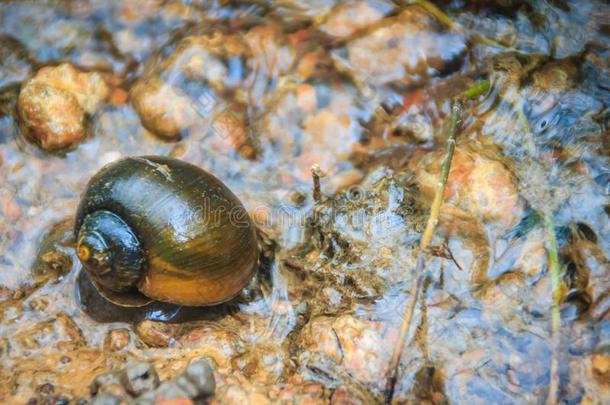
{"x":154,"y":228}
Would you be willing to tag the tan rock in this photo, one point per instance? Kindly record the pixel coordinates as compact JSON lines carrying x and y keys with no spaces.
{"x":357,"y":345}
{"x":350,"y":17}
{"x":156,"y":334}
{"x":163,"y":109}
{"x":53,"y":105}
{"x":406,"y":49}
{"x":479,"y":186}
{"x":117,"y":339}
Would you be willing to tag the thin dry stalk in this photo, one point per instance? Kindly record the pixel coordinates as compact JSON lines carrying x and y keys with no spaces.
{"x":553,"y":258}
{"x":456,"y":26}
{"x":421,"y":256}
{"x":316,"y":173}
{"x":543,"y":197}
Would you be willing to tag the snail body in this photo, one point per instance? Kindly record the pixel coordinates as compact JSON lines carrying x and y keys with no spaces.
{"x":156,"y":228}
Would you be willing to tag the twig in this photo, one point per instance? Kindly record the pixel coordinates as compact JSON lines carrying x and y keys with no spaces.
{"x":316,"y":173}
{"x":553,"y":259}
{"x":456,"y":26}
{"x":421,"y":256}
{"x":543,"y":196}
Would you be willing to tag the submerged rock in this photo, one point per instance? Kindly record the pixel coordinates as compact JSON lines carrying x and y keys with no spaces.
{"x":404,"y":50}
{"x":139,"y":383}
{"x":194,"y":383}
{"x":54,"y":103}
{"x":206,"y":76}
{"x":357,"y":346}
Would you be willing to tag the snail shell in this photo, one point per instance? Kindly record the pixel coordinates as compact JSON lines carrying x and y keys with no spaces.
{"x":157,"y":228}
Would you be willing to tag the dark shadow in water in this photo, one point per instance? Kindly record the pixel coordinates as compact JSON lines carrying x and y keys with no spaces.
{"x":103,"y":311}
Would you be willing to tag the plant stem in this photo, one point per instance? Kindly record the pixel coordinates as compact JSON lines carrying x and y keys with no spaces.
{"x":435,"y":210}
{"x":316,"y":173}
{"x":539,"y":201}
{"x":553,"y":259}
{"x":439,"y":14}
{"x":456,"y":26}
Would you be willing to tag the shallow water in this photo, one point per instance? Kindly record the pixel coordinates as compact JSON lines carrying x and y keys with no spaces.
{"x":257,"y":93}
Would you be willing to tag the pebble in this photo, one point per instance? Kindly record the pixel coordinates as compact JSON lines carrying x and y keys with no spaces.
{"x":478,"y":185}
{"x":107,"y":384}
{"x":139,"y":377}
{"x":156,"y":334}
{"x":163,"y":109}
{"x":140,"y":380}
{"x":194,"y":383}
{"x":117,"y":339}
{"x":356,"y":344}
{"x":353,"y":16}
{"x":53,"y":105}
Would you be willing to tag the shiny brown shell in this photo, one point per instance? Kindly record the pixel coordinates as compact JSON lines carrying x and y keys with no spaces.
{"x":199,"y":243}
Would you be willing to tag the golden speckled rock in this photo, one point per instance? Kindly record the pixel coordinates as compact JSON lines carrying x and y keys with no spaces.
{"x":54,"y":103}
{"x":357,"y":346}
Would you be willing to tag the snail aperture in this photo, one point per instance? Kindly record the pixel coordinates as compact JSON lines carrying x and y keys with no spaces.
{"x":156,"y":228}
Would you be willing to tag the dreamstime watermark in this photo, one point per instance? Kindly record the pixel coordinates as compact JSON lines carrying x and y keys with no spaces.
{"x":351,"y":210}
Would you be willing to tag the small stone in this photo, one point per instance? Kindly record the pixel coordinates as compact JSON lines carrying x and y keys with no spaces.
{"x":53,"y":104}
{"x":156,"y":334}
{"x":71,"y":330}
{"x":58,"y":264}
{"x":163,"y":109}
{"x":195,"y":382}
{"x":220,"y":344}
{"x":201,"y":374}
{"x":117,"y":339}
{"x":351,"y":17}
{"x":139,"y":377}
{"x":107,"y":383}
{"x":357,"y":345}
{"x":51,"y":117}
